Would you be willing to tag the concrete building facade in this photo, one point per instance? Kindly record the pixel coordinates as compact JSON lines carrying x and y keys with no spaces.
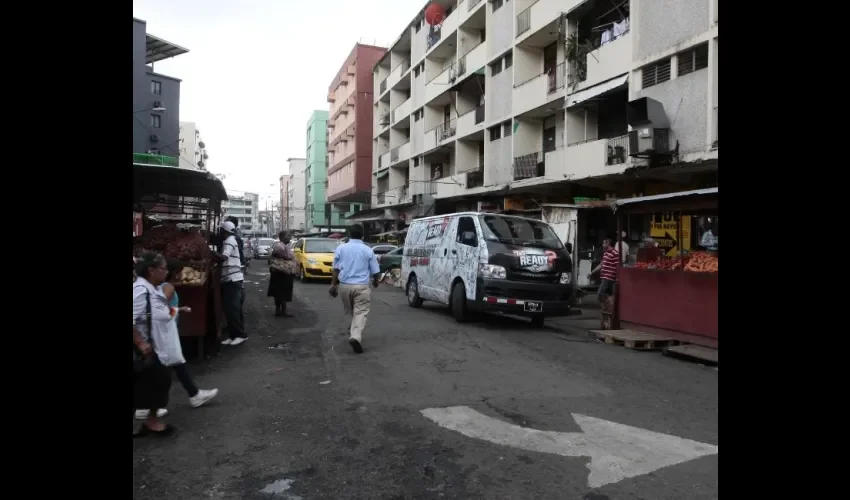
{"x":294,"y":196}
{"x":193,"y":149}
{"x":245,"y":207}
{"x":546,"y":98}
{"x":156,"y":97}
{"x":349,"y":127}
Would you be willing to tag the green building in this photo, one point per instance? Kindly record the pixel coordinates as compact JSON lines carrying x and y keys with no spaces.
{"x":320,"y":214}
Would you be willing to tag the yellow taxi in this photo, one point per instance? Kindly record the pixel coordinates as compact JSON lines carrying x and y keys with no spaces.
{"x":315,"y":258}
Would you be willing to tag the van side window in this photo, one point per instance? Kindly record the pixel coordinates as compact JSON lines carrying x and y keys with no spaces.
{"x":466,"y":234}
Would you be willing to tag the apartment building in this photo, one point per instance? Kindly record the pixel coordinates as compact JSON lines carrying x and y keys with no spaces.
{"x":193,"y":149}
{"x":156,"y":97}
{"x":294,"y":195}
{"x":544,"y":99}
{"x":350,"y":127}
{"x":245,"y":207}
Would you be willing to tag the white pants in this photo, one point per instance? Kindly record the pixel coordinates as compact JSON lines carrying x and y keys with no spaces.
{"x":356,"y":299}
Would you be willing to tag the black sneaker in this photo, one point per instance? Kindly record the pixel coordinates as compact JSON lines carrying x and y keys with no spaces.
{"x":356,"y":346}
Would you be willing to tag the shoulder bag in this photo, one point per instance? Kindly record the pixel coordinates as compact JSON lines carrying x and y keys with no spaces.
{"x":140,"y":361}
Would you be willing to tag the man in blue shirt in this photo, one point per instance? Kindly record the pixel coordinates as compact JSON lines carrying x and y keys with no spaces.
{"x":355,"y":265}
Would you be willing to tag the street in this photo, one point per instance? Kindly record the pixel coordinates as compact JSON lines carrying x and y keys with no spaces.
{"x":491,"y":409}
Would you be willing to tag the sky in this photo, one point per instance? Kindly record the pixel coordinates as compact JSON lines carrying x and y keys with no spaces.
{"x":256,"y":70}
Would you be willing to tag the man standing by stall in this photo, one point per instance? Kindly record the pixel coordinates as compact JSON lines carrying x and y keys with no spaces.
{"x":232,"y":293}
{"x":609,"y":266}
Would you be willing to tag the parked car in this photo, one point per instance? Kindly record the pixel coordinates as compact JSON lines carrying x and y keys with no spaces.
{"x":315,"y":257}
{"x":381,"y":249}
{"x":475,"y":261}
{"x":264,"y":247}
{"x":390,"y":259}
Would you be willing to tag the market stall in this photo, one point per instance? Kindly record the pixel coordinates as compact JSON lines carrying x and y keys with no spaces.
{"x":181,"y":209}
{"x":672,"y":288}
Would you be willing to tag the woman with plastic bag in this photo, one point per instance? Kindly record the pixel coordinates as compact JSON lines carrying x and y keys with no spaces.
{"x":151,"y":379}
{"x":168,"y":348}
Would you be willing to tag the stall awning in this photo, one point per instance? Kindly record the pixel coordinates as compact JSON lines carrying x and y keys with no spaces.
{"x":368,"y":215}
{"x":382,"y":174}
{"x":656,"y":197}
{"x":173,"y":181}
{"x":597,"y":90}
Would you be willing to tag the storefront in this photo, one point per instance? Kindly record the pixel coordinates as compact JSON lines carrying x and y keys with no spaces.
{"x":671,"y":288}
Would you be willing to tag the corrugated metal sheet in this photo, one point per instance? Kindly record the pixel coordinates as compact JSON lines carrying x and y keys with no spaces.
{"x":656,"y":197}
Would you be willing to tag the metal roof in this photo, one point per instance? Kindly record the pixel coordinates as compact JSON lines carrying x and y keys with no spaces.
{"x":656,"y":197}
{"x":158,"y":49}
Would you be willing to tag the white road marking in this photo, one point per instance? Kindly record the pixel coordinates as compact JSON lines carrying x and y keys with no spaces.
{"x":616,"y":451}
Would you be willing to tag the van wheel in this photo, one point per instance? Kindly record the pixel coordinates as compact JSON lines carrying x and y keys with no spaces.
{"x":538,"y":321}
{"x":413,"y":298}
{"x":458,"y":302}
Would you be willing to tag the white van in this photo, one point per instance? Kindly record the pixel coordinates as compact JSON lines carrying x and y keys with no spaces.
{"x":473,"y":261}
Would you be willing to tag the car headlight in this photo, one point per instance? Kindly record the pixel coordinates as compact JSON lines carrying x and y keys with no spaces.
{"x":492,"y":271}
{"x":312,"y":262}
{"x":566,"y":278}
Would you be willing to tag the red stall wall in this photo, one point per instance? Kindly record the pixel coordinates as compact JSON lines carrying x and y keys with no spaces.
{"x":672,"y":300}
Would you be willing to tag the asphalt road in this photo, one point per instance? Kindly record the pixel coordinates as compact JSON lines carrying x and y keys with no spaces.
{"x":312,"y":420}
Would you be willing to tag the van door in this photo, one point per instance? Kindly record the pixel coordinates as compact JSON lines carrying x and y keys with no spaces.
{"x":465,"y":254}
{"x":440,"y":239}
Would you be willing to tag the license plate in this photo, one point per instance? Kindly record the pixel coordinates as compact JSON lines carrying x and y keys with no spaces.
{"x":534,"y":307}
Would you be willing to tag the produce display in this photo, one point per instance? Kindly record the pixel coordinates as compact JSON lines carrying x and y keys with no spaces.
{"x":697,"y":262}
{"x":191,"y":276}
{"x":188,"y":246}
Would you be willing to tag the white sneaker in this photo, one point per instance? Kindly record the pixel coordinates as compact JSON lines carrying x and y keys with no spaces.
{"x":226,"y":341}
{"x":202,"y":397}
{"x":143,"y":414}
{"x":238,"y":340}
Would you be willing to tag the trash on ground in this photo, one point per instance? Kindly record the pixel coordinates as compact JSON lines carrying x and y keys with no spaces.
{"x":325,"y":382}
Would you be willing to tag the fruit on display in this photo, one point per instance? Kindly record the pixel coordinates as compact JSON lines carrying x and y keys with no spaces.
{"x":173,"y":242}
{"x":702,"y":262}
{"x":191,"y":276}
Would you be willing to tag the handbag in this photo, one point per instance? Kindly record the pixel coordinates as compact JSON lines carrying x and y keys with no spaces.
{"x":140,"y":361}
{"x":283,"y":266}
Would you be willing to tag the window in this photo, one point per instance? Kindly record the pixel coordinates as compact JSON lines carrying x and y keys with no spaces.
{"x":655,"y":73}
{"x":693,"y":59}
{"x":416,"y":71}
{"x":466,"y":234}
{"x":418,"y":114}
{"x":418,"y":25}
{"x":156,"y":87}
{"x":156,"y":121}
{"x":507,"y":129}
{"x":416,"y":162}
{"x":497,"y":4}
{"x":518,"y":231}
{"x":509,"y":60}
{"x":496,"y":68}
{"x":496,"y":133}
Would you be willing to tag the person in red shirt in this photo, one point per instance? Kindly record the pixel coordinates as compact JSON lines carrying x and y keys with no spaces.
{"x":608,"y":267}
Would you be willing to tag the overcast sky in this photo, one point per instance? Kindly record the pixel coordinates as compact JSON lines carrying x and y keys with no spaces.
{"x":256,"y":69}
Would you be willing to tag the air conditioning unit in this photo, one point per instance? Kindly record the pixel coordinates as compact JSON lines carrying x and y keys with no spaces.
{"x":154,"y":138}
{"x":648,"y":141}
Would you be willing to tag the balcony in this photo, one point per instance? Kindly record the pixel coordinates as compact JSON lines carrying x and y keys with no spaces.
{"x":381,"y":198}
{"x":597,"y":157}
{"x":540,"y":91}
{"x":384,"y":160}
{"x":606,"y":62}
{"x":440,"y":83}
{"x":529,"y":165}
{"x":352,"y":69}
{"x":445,"y":131}
{"x":475,"y":179}
{"x":397,"y":74}
{"x":470,"y":122}
{"x":399,"y":195}
{"x":451,"y":186}
{"x":383,"y":87}
{"x":150,"y":159}
{"x":537,"y":17}
{"x":447,"y":28}
{"x":474,"y":58}
{"x":400,"y":154}
{"x":401,"y":112}
{"x":383,"y":123}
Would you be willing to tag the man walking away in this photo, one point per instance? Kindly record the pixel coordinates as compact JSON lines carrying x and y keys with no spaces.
{"x":232,"y":293}
{"x":238,"y":235}
{"x":609,"y":265}
{"x":354,"y":266}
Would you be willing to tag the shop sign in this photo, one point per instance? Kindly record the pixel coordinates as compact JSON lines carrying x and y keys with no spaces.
{"x":664,"y":229}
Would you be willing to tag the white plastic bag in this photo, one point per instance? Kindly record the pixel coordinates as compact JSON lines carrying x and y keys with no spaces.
{"x":166,"y":342}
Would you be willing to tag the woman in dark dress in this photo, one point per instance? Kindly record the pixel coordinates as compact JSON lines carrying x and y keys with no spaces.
{"x":281,"y":283}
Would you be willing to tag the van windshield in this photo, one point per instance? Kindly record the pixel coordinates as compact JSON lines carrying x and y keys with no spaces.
{"x":519,"y":231}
